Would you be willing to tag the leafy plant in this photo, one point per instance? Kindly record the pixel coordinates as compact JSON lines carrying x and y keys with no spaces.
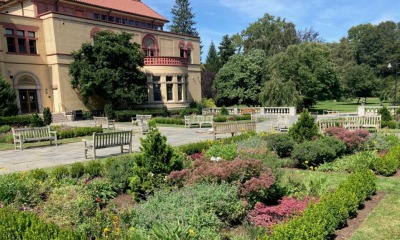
{"x":101,"y":191}
{"x":18,"y":188}
{"x":93,"y":169}
{"x":226,"y":151}
{"x":118,"y":171}
{"x":8,"y":103}
{"x":305,"y":129}
{"x":109,"y":111}
{"x":351,"y":163}
{"x":282,"y":144}
{"x":36,"y":121}
{"x":313,"y":153}
{"x":47,"y":119}
{"x":38,"y":174}
{"x":77,"y":170}
{"x":224,"y":111}
{"x":354,"y":140}
{"x":60,"y":172}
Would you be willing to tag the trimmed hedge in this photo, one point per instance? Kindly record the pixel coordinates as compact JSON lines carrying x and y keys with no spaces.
{"x":17,"y":121}
{"x":72,"y":132}
{"x":125,"y":115}
{"x":320,"y":220}
{"x":26,"y":225}
{"x":163,"y":120}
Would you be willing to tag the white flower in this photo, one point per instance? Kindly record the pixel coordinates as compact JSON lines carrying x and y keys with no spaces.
{"x":150,"y":174}
{"x":218,"y":158}
{"x":213,"y":159}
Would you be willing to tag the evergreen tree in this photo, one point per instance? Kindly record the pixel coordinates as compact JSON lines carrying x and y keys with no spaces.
{"x":305,"y":129}
{"x":182,"y":21}
{"x":212,"y":62}
{"x":8,"y":99}
{"x":226,"y":49}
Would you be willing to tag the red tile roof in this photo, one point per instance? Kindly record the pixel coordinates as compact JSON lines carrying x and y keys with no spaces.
{"x":130,"y":6}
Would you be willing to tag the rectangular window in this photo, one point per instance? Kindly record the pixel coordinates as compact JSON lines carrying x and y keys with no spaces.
{"x":96,"y":16}
{"x":32,"y":46}
{"x":169,"y":92}
{"x":20,"y":33}
{"x":137,"y":24}
{"x":189,"y":56}
{"x":31,"y":34}
{"x":110,"y":18}
{"x":10,"y":44}
{"x":22,"y":45}
{"x":155,"y":27}
{"x":9,"y":31}
{"x":149,"y":25}
{"x":179,"y":78}
{"x":118,"y":20}
{"x":182,"y":53}
{"x":104,"y":17}
{"x":143,"y":25}
{"x":124,"y":21}
{"x":156,"y":78}
{"x":180,"y":92}
{"x":131,"y":22}
{"x":157,"y":92}
{"x":169,"y":78}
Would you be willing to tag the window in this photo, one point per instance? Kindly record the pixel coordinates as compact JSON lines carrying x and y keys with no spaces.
{"x":180,"y":92}
{"x":169,"y":78}
{"x":169,"y":92}
{"x":96,"y":16}
{"x":156,"y":78}
{"x":149,"y":46}
{"x":131,"y":22}
{"x":182,"y":54}
{"x":104,"y":17}
{"x":110,"y":18}
{"x":149,"y":25}
{"x":137,"y":24}
{"x":124,"y":21}
{"x":21,"y":41}
{"x":157,"y":92}
{"x":189,"y":55}
{"x":118,"y":20}
{"x":143,"y":25}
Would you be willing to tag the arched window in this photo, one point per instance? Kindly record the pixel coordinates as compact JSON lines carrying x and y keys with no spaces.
{"x":149,"y":46}
{"x":186,"y":49}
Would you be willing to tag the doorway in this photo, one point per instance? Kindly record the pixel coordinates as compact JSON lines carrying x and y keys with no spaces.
{"x":28,"y":100}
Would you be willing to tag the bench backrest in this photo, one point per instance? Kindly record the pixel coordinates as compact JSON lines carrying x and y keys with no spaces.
{"x":102,"y":140}
{"x":100,"y":120}
{"x":233,"y":127}
{"x":143,"y":117}
{"x":33,"y":133}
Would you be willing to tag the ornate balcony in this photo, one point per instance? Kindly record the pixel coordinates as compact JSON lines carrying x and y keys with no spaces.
{"x":165,"y":61}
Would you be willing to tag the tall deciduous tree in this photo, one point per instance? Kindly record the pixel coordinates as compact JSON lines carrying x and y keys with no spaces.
{"x":359,"y":81}
{"x":183,"y":19}
{"x":277,"y":93}
{"x":226,"y":50}
{"x":8,"y":99}
{"x":109,"y":69}
{"x":241,"y":79}
{"x":272,"y":35}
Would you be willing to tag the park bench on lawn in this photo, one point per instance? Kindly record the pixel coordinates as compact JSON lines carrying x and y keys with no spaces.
{"x":198,"y":120}
{"x":233,"y":127}
{"x":104,"y":122}
{"x":138,"y":118}
{"x":351,"y":123}
{"x":106,"y":140}
{"x":22,"y":135}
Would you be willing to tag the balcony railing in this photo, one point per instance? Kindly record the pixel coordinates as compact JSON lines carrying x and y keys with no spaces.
{"x":165,"y":61}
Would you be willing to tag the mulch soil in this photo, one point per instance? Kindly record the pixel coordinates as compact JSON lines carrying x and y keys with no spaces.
{"x":354,"y":223}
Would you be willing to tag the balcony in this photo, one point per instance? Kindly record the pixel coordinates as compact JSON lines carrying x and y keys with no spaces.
{"x":165,"y":61}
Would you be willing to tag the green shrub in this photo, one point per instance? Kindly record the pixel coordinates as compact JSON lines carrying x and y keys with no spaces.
{"x":26,"y":225}
{"x":156,"y":160}
{"x":163,"y":120}
{"x":6,"y":138}
{"x":226,"y":151}
{"x":337,"y":145}
{"x":5,"y":129}
{"x":242,"y":117}
{"x":224,"y":111}
{"x":100,"y":190}
{"x":18,"y":121}
{"x":36,"y":121}
{"x":93,"y":169}
{"x":305,"y":129}
{"x":118,"y":171}
{"x":386,"y":116}
{"x":18,"y":188}
{"x":197,"y":147}
{"x":68,"y":206}
{"x":109,"y":111}
{"x":253,"y":148}
{"x":71,"y":132}
{"x":60,"y":172}
{"x":47,"y":119}
{"x":191,"y":207}
{"x":77,"y":170}
{"x":351,"y":163}
{"x":313,"y":153}
{"x":320,"y":220}
{"x":38,"y":174}
{"x":220,"y":118}
{"x":389,"y":124}
{"x":388,"y":164}
{"x":282,"y":144}
{"x":8,"y":103}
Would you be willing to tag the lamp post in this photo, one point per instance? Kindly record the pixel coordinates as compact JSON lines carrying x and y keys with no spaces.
{"x":395,"y":82}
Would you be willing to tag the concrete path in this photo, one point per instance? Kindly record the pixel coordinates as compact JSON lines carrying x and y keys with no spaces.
{"x":50,"y":156}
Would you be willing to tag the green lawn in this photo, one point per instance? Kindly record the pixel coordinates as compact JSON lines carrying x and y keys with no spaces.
{"x":346,"y":106}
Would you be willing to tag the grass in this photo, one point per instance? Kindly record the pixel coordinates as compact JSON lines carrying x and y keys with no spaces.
{"x":345,"y":106}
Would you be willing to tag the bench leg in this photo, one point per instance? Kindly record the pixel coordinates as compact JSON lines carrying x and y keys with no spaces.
{"x":94,"y":153}
{"x":122,"y":148}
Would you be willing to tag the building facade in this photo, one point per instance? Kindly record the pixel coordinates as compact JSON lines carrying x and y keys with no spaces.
{"x":40,"y":35}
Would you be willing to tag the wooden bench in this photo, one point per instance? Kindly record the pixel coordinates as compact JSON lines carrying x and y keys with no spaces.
{"x":198,"y":120}
{"x":104,"y":122}
{"x":105,"y":140}
{"x":233,"y":127}
{"x":143,"y":126}
{"x":22,"y":135}
{"x":282,"y":123}
{"x":351,"y":123}
{"x":138,"y":118}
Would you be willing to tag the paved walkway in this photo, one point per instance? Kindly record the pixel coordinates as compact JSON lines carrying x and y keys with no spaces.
{"x":50,"y":156}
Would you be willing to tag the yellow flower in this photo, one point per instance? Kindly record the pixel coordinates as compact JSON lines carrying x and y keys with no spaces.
{"x":191,"y":232}
{"x":115,"y":219}
{"x":311,"y":167}
{"x":3,"y":168}
{"x":106,"y":230}
{"x":117,"y":231}
{"x":131,"y":229}
{"x":306,"y":162}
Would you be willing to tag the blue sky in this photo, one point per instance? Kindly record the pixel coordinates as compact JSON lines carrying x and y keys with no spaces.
{"x":332,"y":19}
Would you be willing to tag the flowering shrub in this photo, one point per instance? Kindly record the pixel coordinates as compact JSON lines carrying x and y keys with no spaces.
{"x":354,"y":140}
{"x":253,"y":178}
{"x":266,"y":216}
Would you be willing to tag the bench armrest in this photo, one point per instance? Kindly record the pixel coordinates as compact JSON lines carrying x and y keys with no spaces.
{"x":53,"y":132}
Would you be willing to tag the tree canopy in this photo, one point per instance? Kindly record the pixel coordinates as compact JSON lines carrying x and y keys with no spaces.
{"x":226,"y":50}
{"x":109,"y":69}
{"x":8,"y":99}
{"x":212,"y":63}
{"x":183,"y":19}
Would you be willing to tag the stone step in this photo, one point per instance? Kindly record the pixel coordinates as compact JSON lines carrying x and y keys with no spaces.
{"x":59,"y":118}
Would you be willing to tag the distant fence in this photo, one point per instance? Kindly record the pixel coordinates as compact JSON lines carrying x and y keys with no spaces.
{"x":373,"y":110}
{"x":291,"y":111}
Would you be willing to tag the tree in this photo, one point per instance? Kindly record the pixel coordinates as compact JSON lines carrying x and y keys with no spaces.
{"x":241,"y":79}
{"x":226,"y":50}
{"x":272,"y":35}
{"x":109,"y":69}
{"x":305,"y":129}
{"x":8,"y":99}
{"x":182,"y":19}
{"x":212,"y":62}
{"x":359,"y":81}
{"x":309,"y":66}
{"x":207,"y":80}
{"x":309,"y":35}
{"x":277,"y":93}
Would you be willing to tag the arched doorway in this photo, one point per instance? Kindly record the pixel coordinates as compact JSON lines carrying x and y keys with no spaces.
{"x":28,"y":93}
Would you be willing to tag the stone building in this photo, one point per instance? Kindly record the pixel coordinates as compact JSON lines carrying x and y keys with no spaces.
{"x":40,"y":35}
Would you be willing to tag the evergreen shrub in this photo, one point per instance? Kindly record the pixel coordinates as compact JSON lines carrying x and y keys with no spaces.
{"x":47,"y":118}
{"x":305,"y":129}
